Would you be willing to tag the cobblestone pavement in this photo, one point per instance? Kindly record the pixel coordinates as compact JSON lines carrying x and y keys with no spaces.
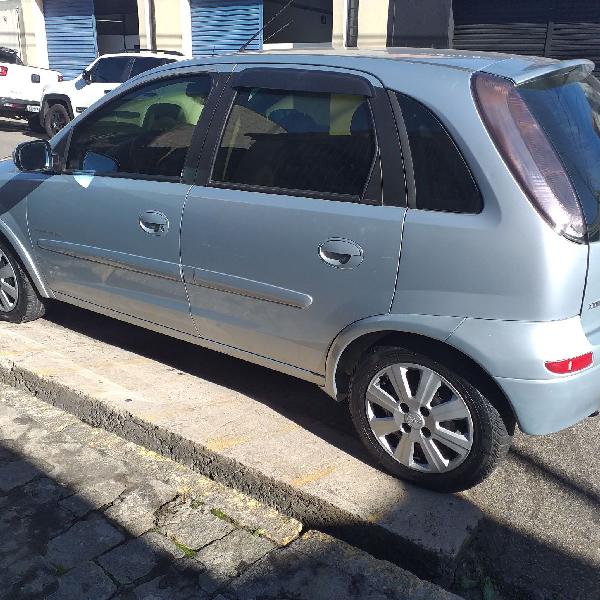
{"x":85,"y":515}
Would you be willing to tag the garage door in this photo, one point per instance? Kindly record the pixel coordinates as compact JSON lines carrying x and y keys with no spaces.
{"x":224,"y":26}
{"x":553,"y":28}
{"x":71,"y":34}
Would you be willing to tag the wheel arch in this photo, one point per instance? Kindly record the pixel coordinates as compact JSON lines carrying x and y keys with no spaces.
{"x":12,"y":241}
{"x":50,"y":100}
{"x":427,"y":339}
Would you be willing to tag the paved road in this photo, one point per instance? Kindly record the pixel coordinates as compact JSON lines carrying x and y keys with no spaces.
{"x":542,"y":529}
{"x":85,"y":515}
{"x":12,"y":133}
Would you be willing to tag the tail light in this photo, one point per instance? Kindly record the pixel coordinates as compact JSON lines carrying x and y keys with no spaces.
{"x":3,"y":71}
{"x":60,"y":78}
{"x":529,"y":155}
{"x":570,"y":365}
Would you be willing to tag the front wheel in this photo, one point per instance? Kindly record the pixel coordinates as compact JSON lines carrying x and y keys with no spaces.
{"x":425,"y":423}
{"x":56,"y":117}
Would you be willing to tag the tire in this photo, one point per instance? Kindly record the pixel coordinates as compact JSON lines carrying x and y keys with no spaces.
{"x":56,"y":117}
{"x":411,"y":440}
{"x":34,"y":124}
{"x":19,"y":300}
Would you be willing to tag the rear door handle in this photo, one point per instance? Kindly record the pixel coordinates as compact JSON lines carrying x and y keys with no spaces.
{"x":341,"y":253}
{"x":153,"y":222}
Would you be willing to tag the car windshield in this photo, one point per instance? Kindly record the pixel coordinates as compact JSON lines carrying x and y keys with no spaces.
{"x":568,"y":108}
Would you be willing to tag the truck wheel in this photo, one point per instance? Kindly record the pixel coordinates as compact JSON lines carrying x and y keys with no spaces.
{"x":424,"y":422}
{"x":19,"y":300}
{"x":57,"y":116}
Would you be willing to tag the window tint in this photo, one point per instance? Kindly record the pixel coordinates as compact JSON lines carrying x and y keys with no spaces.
{"x":111,"y":70}
{"x":442,"y":179}
{"x":311,"y":142}
{"x":145,"y":132}
{"x":145,"y":63}
{"x":9,"y":57}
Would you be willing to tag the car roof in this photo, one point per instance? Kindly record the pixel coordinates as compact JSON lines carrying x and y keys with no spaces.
{"x":173,"y":55}
{"x":378,"y":61}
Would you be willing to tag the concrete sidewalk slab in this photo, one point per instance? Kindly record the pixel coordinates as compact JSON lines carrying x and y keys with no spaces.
{"x":250,"y":435}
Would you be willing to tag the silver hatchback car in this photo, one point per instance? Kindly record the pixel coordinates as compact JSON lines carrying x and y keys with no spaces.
{"x":417,"y":232}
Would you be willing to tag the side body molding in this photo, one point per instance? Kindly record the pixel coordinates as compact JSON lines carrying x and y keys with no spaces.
{"x":434,"y":327}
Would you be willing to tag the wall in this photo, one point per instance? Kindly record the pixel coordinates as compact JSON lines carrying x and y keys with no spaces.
{"x":171,"y":22}
{"x":35,"y":47}
{"x":372,"y":23}
{"x":339,"y":23}
{"x":421,"y":23}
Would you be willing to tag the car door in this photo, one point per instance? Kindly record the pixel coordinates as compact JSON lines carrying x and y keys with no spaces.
{"x":106,"y":230}
{"x":288,"y":236}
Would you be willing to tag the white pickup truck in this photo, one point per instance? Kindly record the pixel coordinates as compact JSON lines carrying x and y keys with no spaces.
{"x":22,"y":88}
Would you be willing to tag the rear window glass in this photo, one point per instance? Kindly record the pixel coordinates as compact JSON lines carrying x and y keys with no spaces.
{"x":145,"y":63}
{"x":8,"y":57}
{"x":112,"y":70}
{"x":569,"y":112}
{"x":443,"y":181}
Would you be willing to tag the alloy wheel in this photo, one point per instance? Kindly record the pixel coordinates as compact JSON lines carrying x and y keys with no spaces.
{"x":9,"y":288}
{"x":419,"y":418}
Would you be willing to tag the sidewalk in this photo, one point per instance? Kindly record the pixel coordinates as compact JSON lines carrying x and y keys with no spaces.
{"x":85,"y":515}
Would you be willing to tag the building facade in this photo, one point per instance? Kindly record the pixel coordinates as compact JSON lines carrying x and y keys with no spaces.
{"x":68,"y":34}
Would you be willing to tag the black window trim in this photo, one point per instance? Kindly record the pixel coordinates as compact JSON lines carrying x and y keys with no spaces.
{"x":205,"y":171}
{"x":193,"y":153}
{"x":408,"y":164}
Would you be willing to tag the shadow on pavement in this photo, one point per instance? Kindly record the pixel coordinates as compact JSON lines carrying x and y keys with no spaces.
{"x":522,"y":566}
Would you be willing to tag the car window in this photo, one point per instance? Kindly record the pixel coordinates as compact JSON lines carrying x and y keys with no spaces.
{"x":9,"y":57}
{"x":145,"y":63}
{"x":297,"y":141}
{"x":145,"y":132}
{"x":443,"y":181}
{"x":111,"y":70}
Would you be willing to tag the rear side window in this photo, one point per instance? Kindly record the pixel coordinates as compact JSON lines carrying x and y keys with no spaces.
{"x":111,"y":70}
{"x":443,"y":181}
{"x":145,"y":132}
{"x":569,"y":112}
{"x":145,"y":63}
{"x":314,"y":143}
{"x":9,"y":57}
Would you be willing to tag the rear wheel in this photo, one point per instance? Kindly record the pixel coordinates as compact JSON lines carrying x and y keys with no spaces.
{"x":57,"y":116}
{"x":19,"y":300}
{"x":424,"y":422}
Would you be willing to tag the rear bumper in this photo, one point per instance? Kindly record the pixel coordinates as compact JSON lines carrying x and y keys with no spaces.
{"x":514,"y":354}
{"x":549,"y":405}
{"x":10,"y":107}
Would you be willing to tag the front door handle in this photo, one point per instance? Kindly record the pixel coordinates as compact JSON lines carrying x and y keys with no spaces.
{"x":153,"y":222}
{"x":341,"y":253}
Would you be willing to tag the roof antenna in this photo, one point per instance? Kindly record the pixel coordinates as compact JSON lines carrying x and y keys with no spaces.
{"x":287,"y":5}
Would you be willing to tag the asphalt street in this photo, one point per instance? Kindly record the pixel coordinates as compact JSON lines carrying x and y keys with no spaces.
{"x":12,"y":133}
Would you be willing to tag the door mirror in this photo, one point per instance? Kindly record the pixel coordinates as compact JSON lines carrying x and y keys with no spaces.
{"x":33,"y":156}
{"x":86,"y":76}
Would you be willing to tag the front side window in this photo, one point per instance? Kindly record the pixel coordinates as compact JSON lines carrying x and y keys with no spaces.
{"x":297,"y":141}
{"x":443,"y":181}
{"x":111,"y":70}
{"x":145,"y":132}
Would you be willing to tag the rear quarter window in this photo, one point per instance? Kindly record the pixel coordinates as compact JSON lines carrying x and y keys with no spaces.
{"x":442,"y":178}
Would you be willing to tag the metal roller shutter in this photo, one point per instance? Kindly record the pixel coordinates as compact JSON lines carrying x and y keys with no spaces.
{"x":551,"y":28}
{"x":71,"y":34}
{"x":220,"y":26}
